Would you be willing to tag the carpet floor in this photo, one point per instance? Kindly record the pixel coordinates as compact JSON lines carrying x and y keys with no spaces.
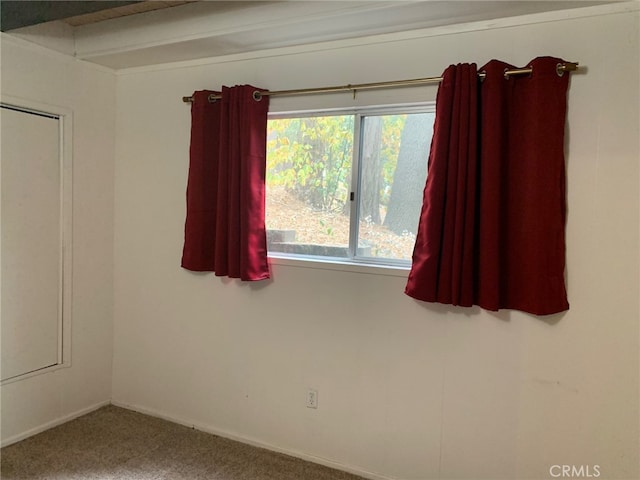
{"x":113,"y":443}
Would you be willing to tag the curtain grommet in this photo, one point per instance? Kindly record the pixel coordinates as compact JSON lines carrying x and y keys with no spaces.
{"x":257,"y":96}
{"x":560,"y":69}
{"x":482,"y":75}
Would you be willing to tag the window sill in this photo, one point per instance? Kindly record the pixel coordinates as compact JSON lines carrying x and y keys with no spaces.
{"x":340,"y":266}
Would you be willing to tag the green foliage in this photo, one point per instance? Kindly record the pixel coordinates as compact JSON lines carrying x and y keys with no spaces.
{"x":312,"y":158}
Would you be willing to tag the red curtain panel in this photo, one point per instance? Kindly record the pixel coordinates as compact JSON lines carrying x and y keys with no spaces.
{"x":225,"y":226}
{"x":442,"y":269}
{"x":492,"y":226}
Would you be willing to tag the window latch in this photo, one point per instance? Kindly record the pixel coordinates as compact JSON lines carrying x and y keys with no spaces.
{"x":352,"y":196}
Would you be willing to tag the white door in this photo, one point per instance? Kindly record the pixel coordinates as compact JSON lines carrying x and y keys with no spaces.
{"x":31,"y":249}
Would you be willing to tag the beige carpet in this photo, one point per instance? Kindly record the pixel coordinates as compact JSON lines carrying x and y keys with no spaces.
{"x":117,"y":444}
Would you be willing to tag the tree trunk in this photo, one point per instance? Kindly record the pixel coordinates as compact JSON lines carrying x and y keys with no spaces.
{"x":371,"y":170}
{"x":409,"y":178}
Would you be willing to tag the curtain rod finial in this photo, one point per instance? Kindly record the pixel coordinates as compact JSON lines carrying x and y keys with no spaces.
{"x":566,"y":67}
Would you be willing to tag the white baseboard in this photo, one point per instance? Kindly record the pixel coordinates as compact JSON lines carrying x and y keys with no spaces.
{"x":54,"y":423}
{"x":253,"y":442}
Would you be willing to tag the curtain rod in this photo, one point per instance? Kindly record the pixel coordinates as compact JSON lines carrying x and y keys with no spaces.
{"x":560,"y":69}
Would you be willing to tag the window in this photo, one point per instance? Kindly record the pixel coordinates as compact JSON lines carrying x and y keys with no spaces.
{"x":347,"y":185}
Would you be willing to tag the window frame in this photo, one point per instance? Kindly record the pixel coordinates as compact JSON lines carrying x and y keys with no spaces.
{"x":354,"y":262}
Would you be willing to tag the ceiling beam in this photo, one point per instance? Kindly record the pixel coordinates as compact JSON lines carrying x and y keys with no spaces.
{"x":17,"y":14}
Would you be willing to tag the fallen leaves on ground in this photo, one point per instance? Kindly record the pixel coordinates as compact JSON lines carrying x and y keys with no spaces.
{"x":286,"y":212}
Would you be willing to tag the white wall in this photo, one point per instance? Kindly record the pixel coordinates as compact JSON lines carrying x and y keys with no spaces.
{"x":44,"y":77}
{"x":407,"y":390}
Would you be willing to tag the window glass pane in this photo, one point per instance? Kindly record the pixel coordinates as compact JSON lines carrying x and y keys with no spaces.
{"x":393,"y":171}
{"x":308,"y":183}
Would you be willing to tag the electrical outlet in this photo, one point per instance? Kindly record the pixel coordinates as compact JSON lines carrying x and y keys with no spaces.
{"x":312,"y":398}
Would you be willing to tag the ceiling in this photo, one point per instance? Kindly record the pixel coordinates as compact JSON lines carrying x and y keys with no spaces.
{"x":133,"y":34}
